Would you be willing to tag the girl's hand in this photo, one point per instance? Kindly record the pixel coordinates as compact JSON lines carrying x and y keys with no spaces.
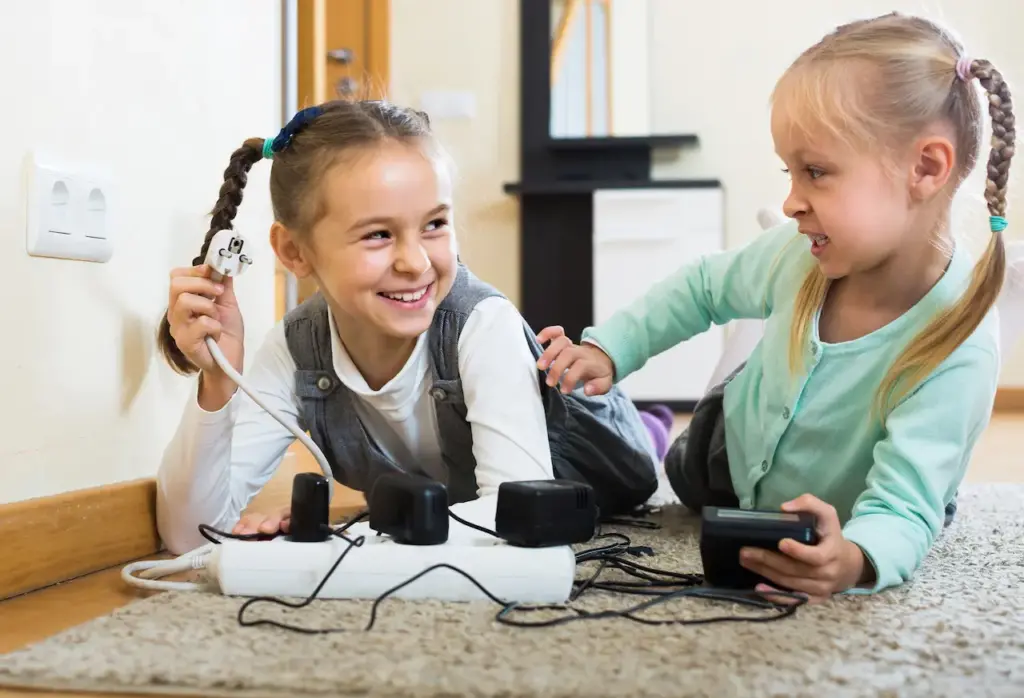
{"x":570,"y":364}
{"x":197,"y":308}
{"x":264,"y":523}
{"x":832,"y":566}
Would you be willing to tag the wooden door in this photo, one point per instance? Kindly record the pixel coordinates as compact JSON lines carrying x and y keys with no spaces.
{"x":343,"y":48}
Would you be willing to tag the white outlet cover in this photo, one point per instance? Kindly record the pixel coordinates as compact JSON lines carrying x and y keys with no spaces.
{"x":67,"y":212}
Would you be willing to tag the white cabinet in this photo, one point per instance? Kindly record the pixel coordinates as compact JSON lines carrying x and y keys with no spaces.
{"x":640,"y":237}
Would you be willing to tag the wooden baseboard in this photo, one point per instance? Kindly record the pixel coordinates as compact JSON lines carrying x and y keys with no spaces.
{"x":1009,"y":400}
{"x":48,"y":540}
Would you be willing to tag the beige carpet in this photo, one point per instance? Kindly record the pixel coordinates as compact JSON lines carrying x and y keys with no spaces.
{"x":956,"y":630}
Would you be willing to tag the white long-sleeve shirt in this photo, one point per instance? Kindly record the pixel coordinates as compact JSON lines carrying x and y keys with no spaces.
{"x":217,"y":461}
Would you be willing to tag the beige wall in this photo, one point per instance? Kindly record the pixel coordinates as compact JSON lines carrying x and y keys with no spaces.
{"x":470,"y":45}
{"x":160,"y":93}
{"x":711,"y":74}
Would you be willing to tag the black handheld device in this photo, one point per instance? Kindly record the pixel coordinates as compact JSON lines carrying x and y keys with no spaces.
{"x":725,"y":530}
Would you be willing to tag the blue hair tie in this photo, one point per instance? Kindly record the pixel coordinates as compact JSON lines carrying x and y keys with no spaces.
{"x":268,"y":148}
{"x":298,"y":122}
{"x":998,"y":223}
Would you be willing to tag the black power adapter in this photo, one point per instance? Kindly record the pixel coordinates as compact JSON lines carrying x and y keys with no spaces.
{"x":311,"y":503}
{"x":411,"y":509}
{"x":725,"y":530}
{"x":545,"y":513}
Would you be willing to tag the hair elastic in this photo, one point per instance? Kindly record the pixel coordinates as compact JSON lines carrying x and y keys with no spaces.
{"x":285,"y":135}
{"x":963,"y":68}
{"x":998,"y":223}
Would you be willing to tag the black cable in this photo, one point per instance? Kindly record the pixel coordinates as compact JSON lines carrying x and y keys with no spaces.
{"x":340,"y":531}
{"x":205,"y":532}
{"x":614,"y":556}
{"x":472,"y":525}
{"x":785,"y":610}
{"x":580,"y":587}
{"x":649,"y":577}
{"x":305,"y":602}
{"x":615,"y":548}
{"x":440,"y":565}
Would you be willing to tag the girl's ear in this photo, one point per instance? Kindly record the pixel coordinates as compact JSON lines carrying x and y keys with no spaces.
{"x":293,"y":256}
{"x":934,"y":159}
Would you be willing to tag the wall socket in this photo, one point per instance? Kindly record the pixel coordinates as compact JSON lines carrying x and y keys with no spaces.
{"x":67,"y":211}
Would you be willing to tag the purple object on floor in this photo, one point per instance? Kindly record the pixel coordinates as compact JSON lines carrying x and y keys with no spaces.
{"x":658,"y":430}
{"x":665,"y":415}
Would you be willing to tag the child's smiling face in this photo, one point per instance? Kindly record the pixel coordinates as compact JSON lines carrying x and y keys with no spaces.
{"x":384,"y":252}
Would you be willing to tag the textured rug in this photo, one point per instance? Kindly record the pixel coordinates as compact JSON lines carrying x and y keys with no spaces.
{"x":956,"y":630}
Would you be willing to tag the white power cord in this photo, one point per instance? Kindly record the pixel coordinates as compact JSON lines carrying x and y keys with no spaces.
{"x":192,"y":560}
{"x":234,"y":375}
{"x":225,"y":257}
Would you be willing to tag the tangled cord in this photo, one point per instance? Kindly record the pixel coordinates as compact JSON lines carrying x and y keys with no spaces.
{"x":659,"y":586}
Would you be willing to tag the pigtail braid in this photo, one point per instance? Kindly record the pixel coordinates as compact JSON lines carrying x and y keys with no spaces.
{"x":946,"y":332}
{"x":236,"y":175}
{"x":1000,"y":107}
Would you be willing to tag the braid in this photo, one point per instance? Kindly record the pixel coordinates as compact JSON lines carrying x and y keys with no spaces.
{"x":1000,"y":107}
{"x":236,"y":175}
{"x":944,"y":334}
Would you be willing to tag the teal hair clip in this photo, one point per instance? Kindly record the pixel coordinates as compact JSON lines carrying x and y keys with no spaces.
{"x":268,"y":148}
{"x":998,"y":223}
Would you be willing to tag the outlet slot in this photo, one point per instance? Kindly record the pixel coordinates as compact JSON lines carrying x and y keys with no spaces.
{"x":96,"y":216}
{"x":60,"y":208}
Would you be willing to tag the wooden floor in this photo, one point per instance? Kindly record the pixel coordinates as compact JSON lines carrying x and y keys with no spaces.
{"x":32,"y":617}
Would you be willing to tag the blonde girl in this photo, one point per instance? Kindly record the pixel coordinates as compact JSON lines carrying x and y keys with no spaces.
{"x":879,"y":362}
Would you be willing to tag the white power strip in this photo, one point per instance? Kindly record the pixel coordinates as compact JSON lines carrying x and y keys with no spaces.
{"x":282,"y":568}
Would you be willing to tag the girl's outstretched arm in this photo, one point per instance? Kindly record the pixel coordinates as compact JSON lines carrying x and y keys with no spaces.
{"x":714,"y":289}
{"x":920,"y":464}
{"x":217,"y":461}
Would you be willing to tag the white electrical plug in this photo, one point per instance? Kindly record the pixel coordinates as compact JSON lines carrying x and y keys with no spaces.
{"x":226,"y":254}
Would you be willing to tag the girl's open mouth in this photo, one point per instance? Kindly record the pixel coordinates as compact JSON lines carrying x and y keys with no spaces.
{"x":818,"y":243}
{"x":407,"y":299}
